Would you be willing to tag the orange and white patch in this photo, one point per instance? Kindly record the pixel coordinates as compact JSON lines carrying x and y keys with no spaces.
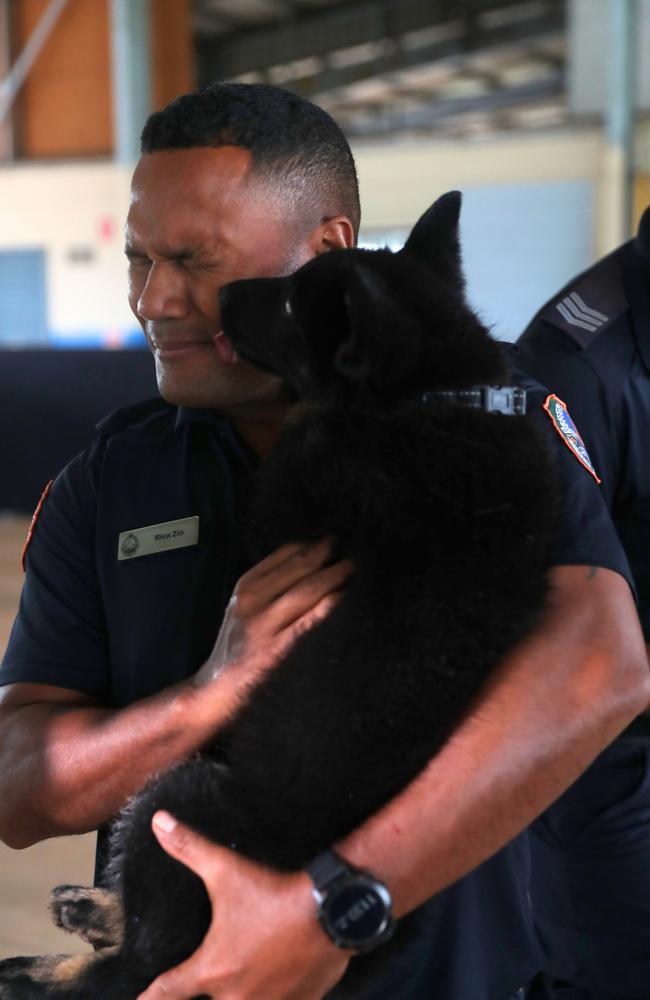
{"x":568,"y":431}
{"x":37,"y":512}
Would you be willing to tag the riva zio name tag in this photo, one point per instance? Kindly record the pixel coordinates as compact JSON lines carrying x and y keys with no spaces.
{"x":158,"y":538}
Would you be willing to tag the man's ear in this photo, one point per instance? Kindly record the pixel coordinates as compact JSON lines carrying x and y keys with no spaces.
{"x":336,"y":233}
{"x":435,"y":241}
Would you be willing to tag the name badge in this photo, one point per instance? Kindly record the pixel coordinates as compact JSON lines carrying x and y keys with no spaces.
{"x":158,"y":538}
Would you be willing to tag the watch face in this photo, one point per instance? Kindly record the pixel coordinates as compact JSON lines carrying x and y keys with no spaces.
{"x":358,"y":912}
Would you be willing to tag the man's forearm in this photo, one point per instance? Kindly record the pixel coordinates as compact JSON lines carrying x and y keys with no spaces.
{"x":557,"y":701}
{"x":67,"y":768}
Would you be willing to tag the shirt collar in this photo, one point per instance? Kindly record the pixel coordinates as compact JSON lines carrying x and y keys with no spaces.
{"x":186,"y":416}
{"x":636,"y":278}
{"x":191,"y":415}
{"x":643,"y":236}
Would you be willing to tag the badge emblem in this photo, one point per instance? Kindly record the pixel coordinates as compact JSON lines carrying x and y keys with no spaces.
{"x":129,"y":546}
{"x":568,"y":431}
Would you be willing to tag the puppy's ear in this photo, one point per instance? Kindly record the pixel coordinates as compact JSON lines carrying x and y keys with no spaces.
{"x":360,"y":296}
{"x":368,"y":316}
{"x":435,"y":241}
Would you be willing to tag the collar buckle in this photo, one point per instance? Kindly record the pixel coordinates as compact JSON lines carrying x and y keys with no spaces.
{"x":507,"y":399}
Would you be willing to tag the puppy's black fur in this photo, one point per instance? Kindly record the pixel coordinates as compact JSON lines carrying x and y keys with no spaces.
{"x":447,"y":513}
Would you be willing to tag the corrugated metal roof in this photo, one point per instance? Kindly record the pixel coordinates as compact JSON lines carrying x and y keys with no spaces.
{"x":456,"y":67}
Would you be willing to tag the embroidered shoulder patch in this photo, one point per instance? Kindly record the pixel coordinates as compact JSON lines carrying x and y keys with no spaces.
{"x":568,"y":431}
{"x":30,"y":533}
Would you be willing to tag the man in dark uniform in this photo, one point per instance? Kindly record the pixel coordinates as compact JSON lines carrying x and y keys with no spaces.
{"x":113,"y":672}
{"x":591,"y":850}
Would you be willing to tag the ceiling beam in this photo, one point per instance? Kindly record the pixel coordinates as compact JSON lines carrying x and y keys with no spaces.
{"x":380,"y":123}
{"x":325,"y":31}
{"x":403,"y":59}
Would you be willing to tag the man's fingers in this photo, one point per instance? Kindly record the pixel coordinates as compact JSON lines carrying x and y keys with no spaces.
{"x":265,"y":584}
{"x":185,"y":845}
{"x":177,"y":984}
{"x":306,"y":595}
{"x":324,"y":607}
{"x":275,"y":559}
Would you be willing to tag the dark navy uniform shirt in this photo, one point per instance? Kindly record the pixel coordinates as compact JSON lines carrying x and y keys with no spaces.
{"x":591,"y":345}
{"x":123,"y":629}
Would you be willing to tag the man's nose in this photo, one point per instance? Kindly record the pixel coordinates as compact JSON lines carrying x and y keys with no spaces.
{"x":164,"y":295}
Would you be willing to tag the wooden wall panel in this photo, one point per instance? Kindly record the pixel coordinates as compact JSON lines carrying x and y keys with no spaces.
{"x":64,"y":108}
{"x":172,"y":57}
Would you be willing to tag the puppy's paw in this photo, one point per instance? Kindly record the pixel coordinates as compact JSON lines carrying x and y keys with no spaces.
{"x":95,"y":915}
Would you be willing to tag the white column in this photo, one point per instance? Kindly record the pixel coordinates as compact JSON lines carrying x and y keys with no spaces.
{"x":131,"y":75}
{"x":619,"y":120}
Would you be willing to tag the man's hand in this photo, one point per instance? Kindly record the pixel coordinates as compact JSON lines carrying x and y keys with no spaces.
{"x":285,"y":594}
{"x":264,"y":940}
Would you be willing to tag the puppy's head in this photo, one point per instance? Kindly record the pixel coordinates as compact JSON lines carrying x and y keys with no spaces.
{"x":354,"y":324}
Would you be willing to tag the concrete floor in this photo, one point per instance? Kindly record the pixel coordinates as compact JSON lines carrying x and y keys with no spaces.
{"x":26,"y":877}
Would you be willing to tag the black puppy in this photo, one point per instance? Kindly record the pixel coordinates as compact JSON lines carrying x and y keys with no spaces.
{"x":447,"y":513}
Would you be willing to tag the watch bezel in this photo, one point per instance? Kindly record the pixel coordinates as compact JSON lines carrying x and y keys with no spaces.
{"x":365,"y":882}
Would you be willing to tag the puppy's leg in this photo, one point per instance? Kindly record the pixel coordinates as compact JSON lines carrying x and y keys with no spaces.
{"x":50,"y":977}
{"x":95,"y":976}
{"x":94,"y":914}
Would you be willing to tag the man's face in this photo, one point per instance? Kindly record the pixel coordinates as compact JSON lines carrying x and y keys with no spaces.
{"x":195,"y":223}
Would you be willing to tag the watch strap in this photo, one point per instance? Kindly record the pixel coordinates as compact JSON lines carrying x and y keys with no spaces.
{"x":326,"y":869}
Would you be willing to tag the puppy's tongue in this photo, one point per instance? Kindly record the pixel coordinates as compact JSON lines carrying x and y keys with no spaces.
{"x":225,"y":351}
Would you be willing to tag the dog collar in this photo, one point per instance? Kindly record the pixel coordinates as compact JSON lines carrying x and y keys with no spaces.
{"x":508,"y":399}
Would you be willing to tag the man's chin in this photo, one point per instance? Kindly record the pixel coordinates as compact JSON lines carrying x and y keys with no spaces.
{"x":252,"y":392}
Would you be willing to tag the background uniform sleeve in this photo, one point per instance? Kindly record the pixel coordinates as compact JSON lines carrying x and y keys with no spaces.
{"x":555,"y":362}
{"x":59,"y":634}
{"x":587,"y":534}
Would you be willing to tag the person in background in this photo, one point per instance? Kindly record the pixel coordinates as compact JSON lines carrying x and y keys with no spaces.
{"x":591,"y":850}
{"x":125,"y":659}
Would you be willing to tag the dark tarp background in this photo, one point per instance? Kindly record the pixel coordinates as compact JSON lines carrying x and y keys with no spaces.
{"x":50,"y":401}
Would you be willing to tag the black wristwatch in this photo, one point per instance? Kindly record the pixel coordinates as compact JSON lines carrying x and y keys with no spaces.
{"x":354,"y":908}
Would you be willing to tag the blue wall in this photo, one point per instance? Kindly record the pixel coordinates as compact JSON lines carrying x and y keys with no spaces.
{"x":521,"y":243}
{"x":23,"y":303}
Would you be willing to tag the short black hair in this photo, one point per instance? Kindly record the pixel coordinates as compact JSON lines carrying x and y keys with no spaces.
{"x":295,"y":143}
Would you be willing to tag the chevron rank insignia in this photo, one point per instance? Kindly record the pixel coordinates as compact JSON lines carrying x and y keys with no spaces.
{"x":590,"y":305}
{"x":568,"y":431}
{"x":575,"y":311}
